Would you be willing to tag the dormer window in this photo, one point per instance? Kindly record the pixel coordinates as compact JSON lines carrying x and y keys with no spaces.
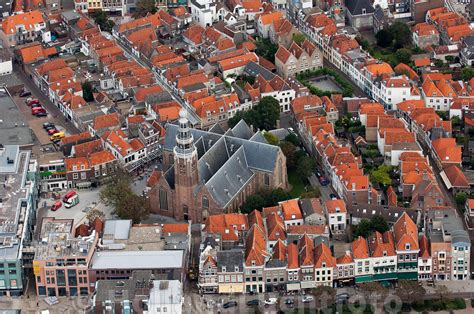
{"x":253,"y":263}
{"x":407,"y":246}
{"x":224,"y":269}
{"x":384,"y":253}
{"x":236,"y":269}
{"x":324,"y":264}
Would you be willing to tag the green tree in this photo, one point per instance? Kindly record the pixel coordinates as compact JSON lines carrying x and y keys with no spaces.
{"x":271,"y":138}
{"x":252,"y":202}
{"x":379,"y":223}
{"x":289,"y":150}
{"x":267,"y":112}
{"x":384,"y":38}
{"x":118,"y":194}
{"x":239,"y":115}
{"x":144,"y":7}
{"x":266,"y":48}
{"x":403,"y":55}
{"x":366,"y":227}
{"x":101,"y":19}
{"x":293,"y":139}
{"x":362,"y":229}
{"x":305,"y":166}
{"x":364,"y":43}
{"x":461,"y":199}
{"x":467,"y":73}
{"x":381,"y":175}
{"x":87,"y":90}
{"x":276,"y":196}
{"x":438,"y":63}
{"x":298,"y":38}
{"x":401,"y":33}
{"x":314,"y":192}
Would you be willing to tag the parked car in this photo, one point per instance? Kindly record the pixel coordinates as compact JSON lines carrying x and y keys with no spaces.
{"x":255,"y":302}
{"x":307,"y":299}
{"x":36,"y":110}
{"x":53,"y":131}
{"x":25,"y":93}
{"x":48,"y":125}
{"x":289,"y":301}
{"x":41,"y":114}
{"x":56,"y":206}
{"x":230,"y":304}
{"x":30,"y":101}
{"x":271,"y":301}
{"x":333,"y":196}
{"x":323,"y":181}
{"x":69,"y":195}
{"x":37,"y":105}
{"x":57,"y":136}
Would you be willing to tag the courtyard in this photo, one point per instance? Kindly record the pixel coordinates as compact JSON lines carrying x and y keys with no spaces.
{"x":325,"y":83}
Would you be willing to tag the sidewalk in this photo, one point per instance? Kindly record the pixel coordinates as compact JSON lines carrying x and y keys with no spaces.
{"x":36,"y":305}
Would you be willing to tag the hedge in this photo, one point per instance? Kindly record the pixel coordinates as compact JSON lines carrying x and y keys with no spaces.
{"x":346,"y":87}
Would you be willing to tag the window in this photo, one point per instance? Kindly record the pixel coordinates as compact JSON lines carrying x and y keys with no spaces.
{"x":75,"y":176}
{"x":267,"y":180}
{"x":163,"y":199}
{"x":205,"y":202}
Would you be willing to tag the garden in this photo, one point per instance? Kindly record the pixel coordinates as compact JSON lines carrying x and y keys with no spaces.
{"x":333,"y":81}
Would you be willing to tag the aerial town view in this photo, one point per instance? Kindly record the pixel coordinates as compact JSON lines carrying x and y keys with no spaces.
{"x":236,"y":156}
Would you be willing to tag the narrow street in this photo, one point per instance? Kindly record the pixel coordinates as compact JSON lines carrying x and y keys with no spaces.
{"x":55,"y":115}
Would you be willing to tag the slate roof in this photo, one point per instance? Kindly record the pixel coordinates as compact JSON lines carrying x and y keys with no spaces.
{"x":226,"y":163}
{"x":355,"y":7}
{"x":230,"y":259}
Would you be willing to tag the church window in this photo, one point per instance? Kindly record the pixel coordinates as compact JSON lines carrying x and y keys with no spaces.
{"x":205,"y":202}
{"x":280,"y":169}
{"x":267,"y":180}
{"x":163,"y":199}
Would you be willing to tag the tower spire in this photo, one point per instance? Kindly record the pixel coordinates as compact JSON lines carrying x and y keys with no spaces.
{"x":184,"y":138}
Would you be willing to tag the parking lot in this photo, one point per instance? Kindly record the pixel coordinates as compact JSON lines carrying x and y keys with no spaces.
{"x":36,"y":123}
{"x":88,"y":199}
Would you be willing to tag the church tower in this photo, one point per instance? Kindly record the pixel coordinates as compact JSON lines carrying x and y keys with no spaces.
{"x":186,"y":173}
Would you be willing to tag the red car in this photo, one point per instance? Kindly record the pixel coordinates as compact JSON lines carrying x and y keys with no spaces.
{"x":35,"y":110}
{"x":53,"y":131}
{"x":33,"y":101}
{"x":56,"y":206}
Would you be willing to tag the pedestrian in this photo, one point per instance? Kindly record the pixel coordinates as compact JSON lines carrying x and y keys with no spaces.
{"x":37,"y":303}
{"x":27,"y":296}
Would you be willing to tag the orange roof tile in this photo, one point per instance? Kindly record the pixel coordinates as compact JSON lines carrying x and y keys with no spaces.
{"x":175,"y":228}
{"x":268,"y":18}
{"x":100,"y":158}
{"x":345,"y":259}
{"x":27,"y":21}
{"x":76,"y":164}
{"x":323,"y":257}
{"x":106,"y":121}
{"x":307,"y":229}
{"x":378,"y":69}
{"x":293,"y":256}
{"x":291,"y":210}
{"x":406,"y":232}
{"x":360,"y":248}
{"x":336,"y":206}
{"x":447,"y":150}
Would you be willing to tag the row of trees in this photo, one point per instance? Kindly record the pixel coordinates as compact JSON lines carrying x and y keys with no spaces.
{"x":366,"y":227}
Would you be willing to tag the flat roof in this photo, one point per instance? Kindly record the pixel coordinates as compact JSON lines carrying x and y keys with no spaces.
{"x":14,"y":130}
{"x":13,"y":170}
{"x":137,"y":259}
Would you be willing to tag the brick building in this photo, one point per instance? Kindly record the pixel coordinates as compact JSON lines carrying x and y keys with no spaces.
{"x":210,"y":173}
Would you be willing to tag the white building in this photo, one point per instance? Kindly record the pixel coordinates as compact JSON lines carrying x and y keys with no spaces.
{"x":166,"y":296}
{"x":6,"y":65}
{"x":337,"y":215}
{"x":291,"y":211}
{"x":203,"y":12}
{"x":395,"y":90}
